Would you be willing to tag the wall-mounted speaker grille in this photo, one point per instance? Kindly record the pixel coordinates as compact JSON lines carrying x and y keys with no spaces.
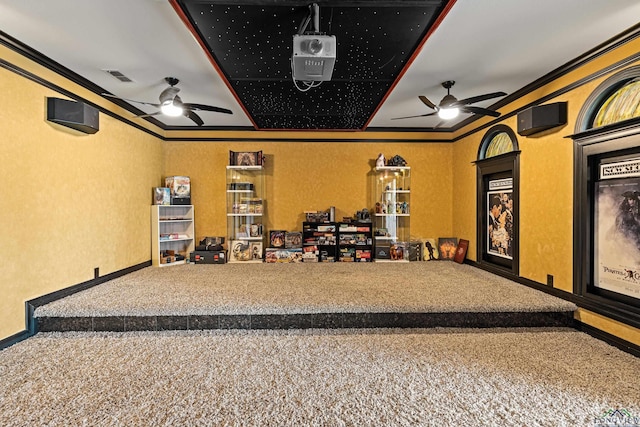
{"x":72,"y":114}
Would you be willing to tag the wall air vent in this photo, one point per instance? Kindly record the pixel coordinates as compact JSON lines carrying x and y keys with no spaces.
{"x":118,"y":75}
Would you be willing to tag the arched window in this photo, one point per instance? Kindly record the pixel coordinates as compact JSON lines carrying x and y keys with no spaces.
{"x":624,"y":104}
{"x":615,"y":100}
{"x":498,"y":140}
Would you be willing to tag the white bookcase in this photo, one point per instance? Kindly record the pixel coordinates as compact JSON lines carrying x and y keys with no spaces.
{"x":172,"y":229}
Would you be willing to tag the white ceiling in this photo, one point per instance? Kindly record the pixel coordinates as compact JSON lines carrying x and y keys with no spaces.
{"x":484,"y":45}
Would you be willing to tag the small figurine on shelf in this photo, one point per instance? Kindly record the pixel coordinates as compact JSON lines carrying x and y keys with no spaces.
{"x":380,"y":161}
{"x":363,"y":215}
{"x":397,"y":161}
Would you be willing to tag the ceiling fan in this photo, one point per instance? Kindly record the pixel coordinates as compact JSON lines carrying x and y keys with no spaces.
{"x":171,"y":104}
{"x":450,"y":106}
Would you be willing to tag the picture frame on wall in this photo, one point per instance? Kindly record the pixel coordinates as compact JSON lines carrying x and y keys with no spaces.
{"x":447,"y":248}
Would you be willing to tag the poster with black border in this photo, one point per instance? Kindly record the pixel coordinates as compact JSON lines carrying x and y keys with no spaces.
{"x":500,"y":218}
{"x":616,"y":255}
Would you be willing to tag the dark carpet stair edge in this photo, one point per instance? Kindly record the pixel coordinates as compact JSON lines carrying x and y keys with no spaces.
{"x":307,"y":321}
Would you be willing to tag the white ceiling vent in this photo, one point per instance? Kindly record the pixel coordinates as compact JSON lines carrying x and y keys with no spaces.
{"x":118,"y":75}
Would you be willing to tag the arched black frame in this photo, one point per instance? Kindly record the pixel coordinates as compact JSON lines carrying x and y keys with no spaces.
{"x":593,"y":147}
{"x":604,"y":90}
{"x":503,"y":166}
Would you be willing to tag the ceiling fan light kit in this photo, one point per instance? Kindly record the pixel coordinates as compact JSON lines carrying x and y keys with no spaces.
{"x":170,"y":109}
{"x":450,"y":106}
{"x":448,"y":113}
{"x":171,"y":105}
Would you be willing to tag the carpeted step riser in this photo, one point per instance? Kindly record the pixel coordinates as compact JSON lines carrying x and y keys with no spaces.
{"x":307,"y":321}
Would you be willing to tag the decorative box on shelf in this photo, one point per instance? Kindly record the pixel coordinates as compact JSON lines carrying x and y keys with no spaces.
{"x":279,"y":255}
{"x":179,"y":189}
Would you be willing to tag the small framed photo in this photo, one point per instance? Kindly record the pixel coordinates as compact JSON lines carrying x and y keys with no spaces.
{"x":245,"y":158}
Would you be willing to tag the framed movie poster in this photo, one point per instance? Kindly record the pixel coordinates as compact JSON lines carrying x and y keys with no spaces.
{"x":616,"y":265}
{"x":500,"y":218}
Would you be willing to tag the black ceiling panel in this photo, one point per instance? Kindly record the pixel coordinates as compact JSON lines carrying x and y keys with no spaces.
{"x":252,"y":43}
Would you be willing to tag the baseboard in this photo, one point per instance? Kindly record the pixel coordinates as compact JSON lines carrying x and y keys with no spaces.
{"x":568,"y":296}
{"x":613,"y":340}
{"x":31,"y":305}
{"x":14,"y":339}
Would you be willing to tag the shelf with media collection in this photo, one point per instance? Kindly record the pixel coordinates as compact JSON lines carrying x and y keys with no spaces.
{"x":245,"y":213}
{"x":172,"y":234}
{"x":391,"y":213}
{"x":355,"y":243}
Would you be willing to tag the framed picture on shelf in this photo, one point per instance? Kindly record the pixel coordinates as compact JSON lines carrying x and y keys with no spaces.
{"x":255,"y":230}
{"x":245,"y":158}
{"x":461,"y":251}
{"x":256,"y":251}
{"x":447,"y":248}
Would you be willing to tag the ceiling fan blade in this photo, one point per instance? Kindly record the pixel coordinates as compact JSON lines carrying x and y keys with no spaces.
{"x":411,"y":117}
{"x":193,"y":116}
{"x":480,"y":110}
{"x":428,"y":103}
{"x":130,"y":100}
{"x":478,"y":98}
{"x":201,"y":107}
{"x":150,"y":114}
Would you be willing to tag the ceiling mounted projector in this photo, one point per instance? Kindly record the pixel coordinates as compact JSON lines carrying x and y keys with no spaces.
{"x":313,"y":57}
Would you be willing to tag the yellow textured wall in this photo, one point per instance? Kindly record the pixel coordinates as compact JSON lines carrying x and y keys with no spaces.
{"x":546,"y":189}
{"x":71,"y":202}
{"x":304,"y":176}
{"x":75,"y":202}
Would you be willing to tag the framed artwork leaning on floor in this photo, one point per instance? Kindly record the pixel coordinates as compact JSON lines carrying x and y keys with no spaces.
{"x":447,"y":248}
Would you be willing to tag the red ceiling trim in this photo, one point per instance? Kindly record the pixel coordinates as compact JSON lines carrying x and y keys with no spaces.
{"x":416,"y":52}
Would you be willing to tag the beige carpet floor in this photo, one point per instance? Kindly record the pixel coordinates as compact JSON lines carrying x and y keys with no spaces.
{"x":441,"y":286}
{"x":316,"y":378}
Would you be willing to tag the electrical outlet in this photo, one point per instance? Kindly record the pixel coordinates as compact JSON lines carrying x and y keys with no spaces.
{"x":550,"y":280}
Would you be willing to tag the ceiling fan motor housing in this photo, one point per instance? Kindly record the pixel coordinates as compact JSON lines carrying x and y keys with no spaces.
{"x":447,"y":101}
